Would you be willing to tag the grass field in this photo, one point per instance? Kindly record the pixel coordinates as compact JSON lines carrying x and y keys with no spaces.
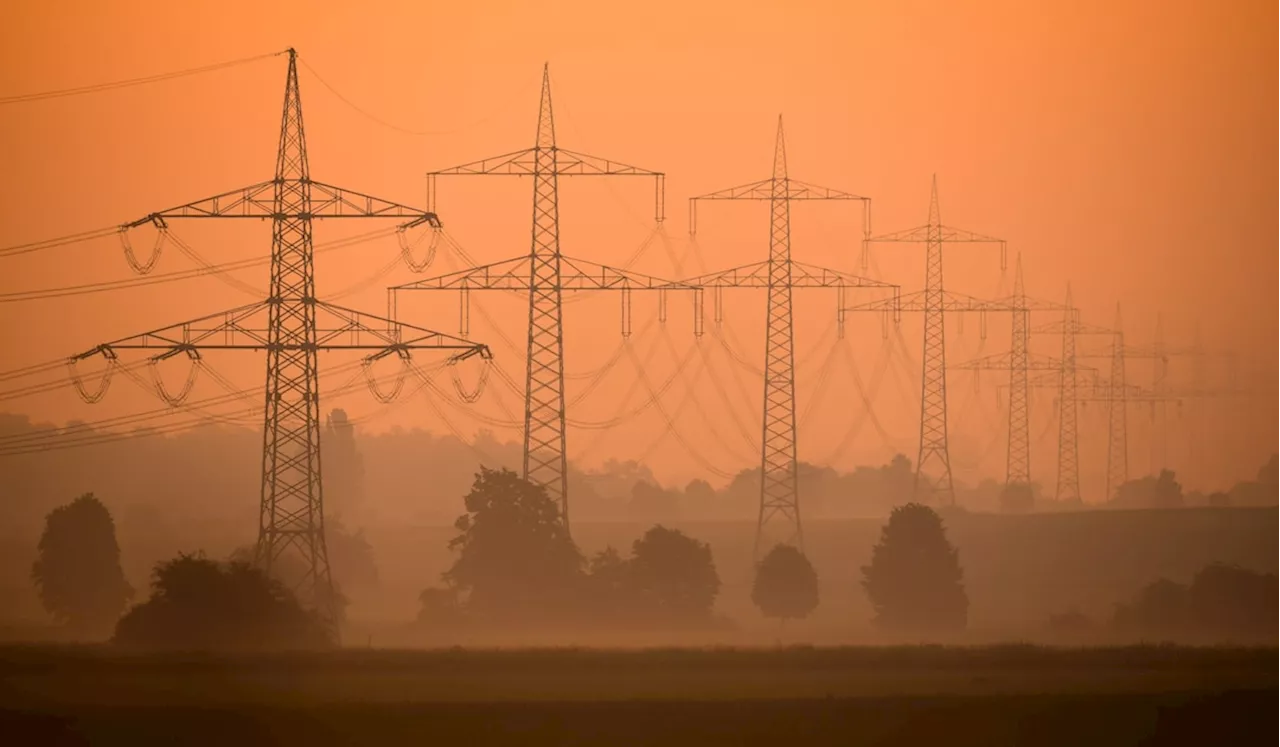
{"x":908,"y":695}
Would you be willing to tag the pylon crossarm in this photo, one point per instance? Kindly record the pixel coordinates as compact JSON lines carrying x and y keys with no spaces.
{"x":1080,"y":328}
{"x":573,"y":163}
{"x":926,"y":233}
{"x":747,"y":276}
{"x":254,"y":201}
{"x":524,"y":163}
{"x":507,"y":274}
{"x":258,"y":201}
{"x":916,"y":302}
{"x":248,"y":327}
{"x":519,"y":163}
{"x":328,"y":201}
{"x":1025,"y":303}
{"x":761,"y":190}
{"x":1002,"y":362}
{"x":812,"y":276}
{"x":356,"y":330}
{"x":581,"y":274}
{"x":798,"y":190}
{"x":234,"y":328}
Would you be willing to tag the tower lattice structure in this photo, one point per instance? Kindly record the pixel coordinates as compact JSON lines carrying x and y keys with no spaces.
{"x":933,"y":483}
{"x":1018,"y":362}
{"x":546,"y":274}
{"x":292,"y":325}
{"x":1119,"y":394}
{"x":778,"y":276}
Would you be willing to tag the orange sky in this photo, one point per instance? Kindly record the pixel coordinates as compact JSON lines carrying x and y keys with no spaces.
{"x":1125,"y":146}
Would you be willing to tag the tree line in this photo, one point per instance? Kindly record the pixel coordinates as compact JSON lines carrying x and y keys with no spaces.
{"x":515,"y":567}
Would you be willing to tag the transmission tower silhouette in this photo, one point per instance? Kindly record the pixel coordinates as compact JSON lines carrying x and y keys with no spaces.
{"x":1119,"y":394}
{"x":287,"y":326}
{"x":1018,"y":362}
{"x":546,"y":274}
{"x":1066,"y":378}
{"x":933,"y":465}
{"x":779,"y":276}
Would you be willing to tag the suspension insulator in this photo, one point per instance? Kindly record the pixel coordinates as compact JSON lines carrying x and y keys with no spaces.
{"x":174,"y":400}
{"x":144,"y":268}
{"x":407,"y":248}
{"x":104,"y":384}
{"x":473,"y":396}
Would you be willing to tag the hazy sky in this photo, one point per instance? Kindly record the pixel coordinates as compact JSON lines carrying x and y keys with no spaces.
{"x":1127,"y":147}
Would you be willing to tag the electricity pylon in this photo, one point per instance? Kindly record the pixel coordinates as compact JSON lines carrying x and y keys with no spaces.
{"x":286,"y":325}
{"x":779,"y":275}
{"x":1068,"y":383}
{"x":1018,"y":361}
{"x":1158,"y":396}
{"x":542,"y":273}
{"x":933,"y":464}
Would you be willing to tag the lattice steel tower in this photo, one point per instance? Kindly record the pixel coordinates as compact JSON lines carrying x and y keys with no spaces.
{"x":1117,"y":414}
{"x":545,"y":279}
{"x":933,"y":464}
{"x":778,"y":276}
{"x":1018,"y":460}
{"x":286,"y":326}
{"x":1068,"y":488}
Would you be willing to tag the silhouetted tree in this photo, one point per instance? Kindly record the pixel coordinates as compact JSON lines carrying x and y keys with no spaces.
{"x":1017,"y":498}
{"x":914,"y":581}
{"x":200,"y":604}
{"x":786,"y":586}
{"x":77,"y":573}
{"x":515,"y":556}
{"x":609,"y":588}
{"x":1161,"y":491}
{"x":1234,"y":603}
{"x":1161,"y":608}
{"x":1222,"y":602}
{"x":289,"y":569}
{"x":673,"y":575}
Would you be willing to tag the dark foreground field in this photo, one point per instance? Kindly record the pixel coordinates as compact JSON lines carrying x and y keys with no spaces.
{"x":868,"y":696}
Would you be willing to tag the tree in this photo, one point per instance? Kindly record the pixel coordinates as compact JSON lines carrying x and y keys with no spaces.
{"x":1168,"y":492}
{"x":1161,"y":491}
{"x":673,"y":575}
{"x":515,"y":558}
{"x":200,"y":604}
{"x":1160,"y":608}
{"x":914,"y":581}
{"x":786,"y":586}
{"x":609,"y":587}
{"x":1017,"y":498}
{"x":77,"y":573}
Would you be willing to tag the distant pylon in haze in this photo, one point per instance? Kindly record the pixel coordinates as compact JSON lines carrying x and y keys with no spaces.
{"x":779,"y":465}
{"x":1117,"y":414}
{"x":933,"y":464}
{"x":1068,"y":431}
{"x":545,"y":274}
{"x":1018,"y":458}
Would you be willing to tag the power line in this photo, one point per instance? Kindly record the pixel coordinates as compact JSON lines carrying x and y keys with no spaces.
{"x":379,"y":120}
{"x":206,"y":268}
{"x":113,"y":85}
